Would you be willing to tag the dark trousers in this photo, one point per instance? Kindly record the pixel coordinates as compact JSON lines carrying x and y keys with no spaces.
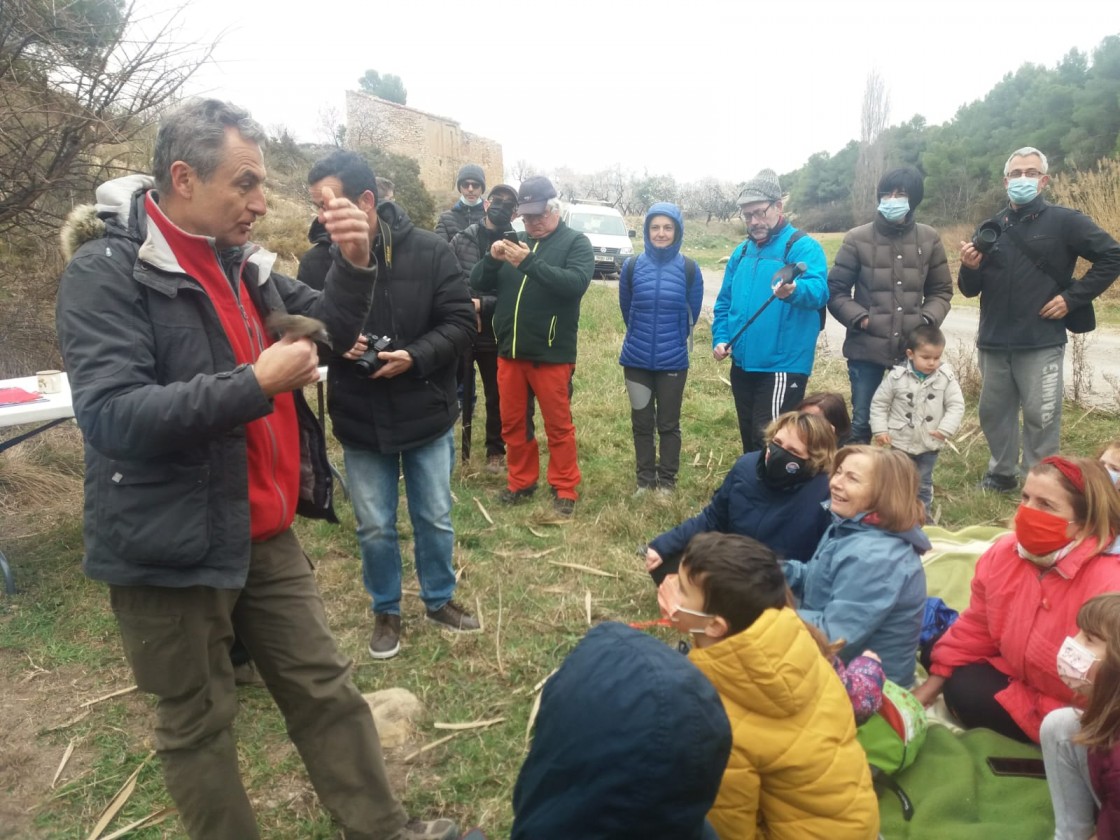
{"x":970,"y":694}
{"x":655,"y":403}
{"x":487,"y":362}
{"x":178,"y":644}
{"x":864,"y":377}
{"x":760,"y":397}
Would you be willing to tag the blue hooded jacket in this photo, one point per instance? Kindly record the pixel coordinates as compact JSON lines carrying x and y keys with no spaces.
{"x":784,"y":338}
{"x":656,"y":304}
{"x":631,"y":744}
{"x":867,"y":586}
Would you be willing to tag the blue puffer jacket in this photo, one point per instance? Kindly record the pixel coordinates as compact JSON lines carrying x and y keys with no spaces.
{"x":790,"y":522}
{"x":784,"y":337}
{"x":631,"y":744}
{"x":655,"y":305}
{"x":866,"y":586}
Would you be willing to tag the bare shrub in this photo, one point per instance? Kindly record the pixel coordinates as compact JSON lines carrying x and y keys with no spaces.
{"x":963,"y":359}
{"x":1080,"y":384}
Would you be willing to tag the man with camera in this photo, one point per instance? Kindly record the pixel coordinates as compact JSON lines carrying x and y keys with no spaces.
{"x":393,"y":406}
{"x":539,"y":283}
{"x":1021,"y":264}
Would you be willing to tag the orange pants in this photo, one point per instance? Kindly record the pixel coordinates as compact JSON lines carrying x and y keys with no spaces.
{"x":551,"y":383}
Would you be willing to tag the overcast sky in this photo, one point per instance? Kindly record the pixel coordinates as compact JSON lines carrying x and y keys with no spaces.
{"x":696,"y":88}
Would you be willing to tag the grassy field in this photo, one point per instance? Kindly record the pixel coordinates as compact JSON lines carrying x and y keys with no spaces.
{"x":536,"y":584}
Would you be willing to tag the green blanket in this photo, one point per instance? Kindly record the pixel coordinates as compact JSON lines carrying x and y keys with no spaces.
{"x":955,"y":795}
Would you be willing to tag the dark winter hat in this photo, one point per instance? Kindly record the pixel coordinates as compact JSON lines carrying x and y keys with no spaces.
{"x":471,"y":172}
{"x":905,"y":178}
{"x":503,"y":188}
{"x":534,"y":194}
{"x":762,"y":187}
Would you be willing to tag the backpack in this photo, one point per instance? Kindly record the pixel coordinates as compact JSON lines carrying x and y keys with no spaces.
{"x":690,"y":269}
{"x":797,"y":234}
{"x":892,"y":737}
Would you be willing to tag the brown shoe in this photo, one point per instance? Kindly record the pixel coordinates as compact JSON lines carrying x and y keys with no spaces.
{"x":496,"y":464}
{"x":452,"y":616}
{"x":386,"y":640}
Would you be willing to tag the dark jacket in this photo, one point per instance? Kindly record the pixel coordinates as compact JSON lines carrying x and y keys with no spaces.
{"x":631,"y":743}
{"x":790,"y":522}
{"x":469,"y":245}
{"x":458,"y":218}
{"x":658,"y":307}
{"x":421,"y":303}
{"x":536,"y":317}
{"x":1104,"y":775}
{"x":1013,"y":289}
{"x":316,"y":261}
{"x":898,"y":277}
{"x":163,"y":405}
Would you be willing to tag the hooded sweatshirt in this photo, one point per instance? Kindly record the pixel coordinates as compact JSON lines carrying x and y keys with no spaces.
{"x":631,"y":743}
{"x":658,"y":307}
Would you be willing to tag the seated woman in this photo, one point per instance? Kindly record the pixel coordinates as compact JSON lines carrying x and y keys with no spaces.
{"x":773,"y":496}
{"x":996,"y":663}
{"x":865,"y":584}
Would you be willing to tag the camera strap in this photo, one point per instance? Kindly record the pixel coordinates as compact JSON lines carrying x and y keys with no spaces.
{"x":1038,"y":259}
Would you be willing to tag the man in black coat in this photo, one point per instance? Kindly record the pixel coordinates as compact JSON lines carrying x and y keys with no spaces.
{"x":392,"y":401}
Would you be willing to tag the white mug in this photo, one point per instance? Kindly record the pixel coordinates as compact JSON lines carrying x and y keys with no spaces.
{"x":50,"y":381}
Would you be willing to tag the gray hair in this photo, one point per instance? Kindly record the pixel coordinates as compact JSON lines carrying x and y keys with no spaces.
{"x":1026,"y":151}
{"x":553,"y":206}
{"x":195,"y":133}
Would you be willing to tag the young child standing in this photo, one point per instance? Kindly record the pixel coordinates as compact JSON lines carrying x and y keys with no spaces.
{"x":1082,"y":751}
{"x":919,"y":405}
{"x":796,"y":769}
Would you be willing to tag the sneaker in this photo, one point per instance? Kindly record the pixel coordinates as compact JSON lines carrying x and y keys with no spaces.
{"x":453,"y":617}
{"x":428,"y":830}
{"x":386,"y":640}
{"x":496,"y":464}
{"x":993,"y":483}
{"x":666,"y":491}
{"x":563,"y":507}
{"x":641,"y":491}
{"x":516,"y":497}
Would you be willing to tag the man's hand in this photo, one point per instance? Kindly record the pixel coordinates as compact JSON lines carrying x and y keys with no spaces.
{"x":721,"y":351}
{"x":355,"y":352}
{"x":287,"y":365}
{"x":883,"y":440}
{"x":348,"y":227}
{"x":509,"y":252}
{"x":865,"y":323}
{"x":784,"y":290}
{"x":396,"y":363}
{"x":1055,"y":308}
{"x":970,"y":257}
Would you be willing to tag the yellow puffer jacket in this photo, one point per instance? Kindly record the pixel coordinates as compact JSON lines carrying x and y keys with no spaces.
{"x":796,"y":770}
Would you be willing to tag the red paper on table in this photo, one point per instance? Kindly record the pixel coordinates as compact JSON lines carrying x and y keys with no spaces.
{"x":16,"y":396}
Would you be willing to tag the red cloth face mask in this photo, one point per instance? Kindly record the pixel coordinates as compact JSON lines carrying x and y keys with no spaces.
{"x":1040,"y":532}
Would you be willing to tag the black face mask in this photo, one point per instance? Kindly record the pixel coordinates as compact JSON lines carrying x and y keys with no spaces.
{"x":780,"y":469}
{"x":500,"y":215}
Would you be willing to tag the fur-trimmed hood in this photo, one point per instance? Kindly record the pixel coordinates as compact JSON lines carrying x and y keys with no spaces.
{"x":87,"y":222}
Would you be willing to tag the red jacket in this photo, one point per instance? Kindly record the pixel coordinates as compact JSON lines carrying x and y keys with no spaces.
{"x":1018,"y":617}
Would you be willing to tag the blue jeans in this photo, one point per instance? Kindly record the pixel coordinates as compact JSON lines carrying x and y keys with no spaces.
{"x":373,"y":480}
{"x":925,"y":463}
{"x":1067,"y":775}
{"x":864,"y":378}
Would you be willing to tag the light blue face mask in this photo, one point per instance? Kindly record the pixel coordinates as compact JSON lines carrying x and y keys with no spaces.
{"x":894,"y":209}
{"x":1022,"y":190}
{"x":1114,"y":475}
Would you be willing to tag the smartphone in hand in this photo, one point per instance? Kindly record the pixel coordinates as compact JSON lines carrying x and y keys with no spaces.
{"x":511,"y":236}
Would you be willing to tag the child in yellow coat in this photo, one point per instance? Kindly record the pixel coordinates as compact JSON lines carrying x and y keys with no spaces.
{"x":796,"y":770}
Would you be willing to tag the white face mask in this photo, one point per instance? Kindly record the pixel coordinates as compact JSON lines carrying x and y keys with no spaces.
{"x":677,"y":608}
{"x":1074,"y":663}
{"x":471,"y":202}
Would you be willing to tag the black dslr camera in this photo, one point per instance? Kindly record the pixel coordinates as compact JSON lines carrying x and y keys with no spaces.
{"x":368,"y":364}
{"x":986,"y":236}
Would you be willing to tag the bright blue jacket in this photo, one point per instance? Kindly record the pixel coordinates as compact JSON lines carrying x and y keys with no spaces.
{"x":790,"y":522}
{"x":866,"y":586}
{"x":657,"y":303}
{"x":784,"y":337}
{"x":631,"y":744}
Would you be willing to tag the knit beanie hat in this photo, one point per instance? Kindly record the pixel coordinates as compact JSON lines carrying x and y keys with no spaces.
{"x":762,"y":187}
{"x":471,"y":172}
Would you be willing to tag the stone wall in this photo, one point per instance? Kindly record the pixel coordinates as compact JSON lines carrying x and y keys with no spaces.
{"x":438,"y":144}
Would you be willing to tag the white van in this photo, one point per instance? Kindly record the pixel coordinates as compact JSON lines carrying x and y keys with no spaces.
{"x":605,"y":227}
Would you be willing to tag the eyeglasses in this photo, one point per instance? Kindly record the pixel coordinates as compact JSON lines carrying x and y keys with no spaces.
{"x":1025,"y":173}
{"x":756,"y":215}
{"x":470,"y":185}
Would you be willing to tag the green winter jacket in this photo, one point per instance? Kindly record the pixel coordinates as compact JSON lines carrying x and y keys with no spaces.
{"x":536,"y":317}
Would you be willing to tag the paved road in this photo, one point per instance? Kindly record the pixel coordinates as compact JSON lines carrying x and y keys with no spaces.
{"x":960,"y":331}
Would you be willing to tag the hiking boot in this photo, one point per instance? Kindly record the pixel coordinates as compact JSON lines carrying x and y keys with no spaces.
{"x":993,"y":483}
{"x":516,"y":497}
{"x":496,"y":464}
{"x":386,"y":640}
{"x":563,"y":507}
{"x":428,"y":830}
{"x":452,"y":616}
